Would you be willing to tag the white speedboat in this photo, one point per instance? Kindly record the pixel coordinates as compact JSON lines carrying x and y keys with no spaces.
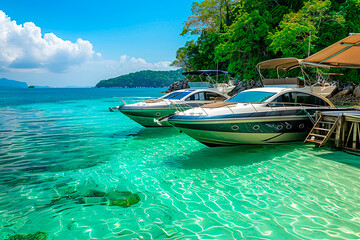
{"x":283,"y":110}
{"x":149,"y":112}
{"x":256,"y":116}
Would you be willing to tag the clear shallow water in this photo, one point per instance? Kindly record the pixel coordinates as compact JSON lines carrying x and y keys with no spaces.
{"x":54,"y":148}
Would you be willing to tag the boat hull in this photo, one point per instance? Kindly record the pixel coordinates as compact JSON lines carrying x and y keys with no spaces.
{"x":145,"y":117}
{"x":239,"y":132}
{"x":213,"y":139}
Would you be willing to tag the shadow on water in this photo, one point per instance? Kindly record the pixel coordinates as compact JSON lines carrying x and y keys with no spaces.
{"x":131,"y":132}
{"x":145,"y":133}
{"x":221,"y":157}
{"x":348,"y":158}
{"x":112,"y":101}
{"x":156,"y":132}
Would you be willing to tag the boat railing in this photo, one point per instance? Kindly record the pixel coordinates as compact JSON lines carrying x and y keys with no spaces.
{"x":182,"y":106}
{"x":300,"y":105}
{"x":132,"y":100}
{"x":292,"y":104}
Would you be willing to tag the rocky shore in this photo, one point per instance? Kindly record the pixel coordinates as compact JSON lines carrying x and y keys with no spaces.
{"x":344,"y":94}
{"x":182,"y":84}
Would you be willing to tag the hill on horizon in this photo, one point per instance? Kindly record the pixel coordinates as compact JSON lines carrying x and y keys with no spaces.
{"x":7,"y":83}
{"x":146,"y":78}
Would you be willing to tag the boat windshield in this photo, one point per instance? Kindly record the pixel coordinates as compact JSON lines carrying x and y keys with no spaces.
{"x":177,"y":95}
{"x":251,"y":97}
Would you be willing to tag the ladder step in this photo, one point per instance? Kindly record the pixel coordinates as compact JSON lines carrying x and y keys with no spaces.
{"x":322,"y":129}
{"x":317,"y":135}
{"x":314,"y":141}
{"x":327,"y":122}
{"x":328,"y":129}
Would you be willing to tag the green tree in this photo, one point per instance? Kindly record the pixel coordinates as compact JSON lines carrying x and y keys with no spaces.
{"x":145,"y":78}
{"x":209,"y":16}
{"x":244,"y":45}
{"x":185,"y":56}
{"x":296,"y":29}
{"x":237,"y":34}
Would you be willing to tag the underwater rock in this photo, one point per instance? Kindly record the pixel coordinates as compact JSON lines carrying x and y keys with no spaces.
{"x":122,"y":199}
{"x":93,"y":197}
{"x":95,"y":193}
{"x":35,"y":236}
{"x":92,"y":200}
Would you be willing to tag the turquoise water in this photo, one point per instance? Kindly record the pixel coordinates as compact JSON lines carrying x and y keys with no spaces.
{"x":57,"y":145}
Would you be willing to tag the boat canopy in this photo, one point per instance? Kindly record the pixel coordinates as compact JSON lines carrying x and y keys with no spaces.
{"x":283,"y":64}
{"x":208,"y":72}
{"x":344,"y":53}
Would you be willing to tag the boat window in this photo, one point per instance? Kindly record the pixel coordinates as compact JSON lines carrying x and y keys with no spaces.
{"x":191,"y":98}
{"x":303,"y":98}
{"x":282,"y":100}
{"x":200,"y":96}
{"x":196,"y":96}
{"x":177,"y":95}
{"x":170,"y":95}
{"x":251,"y":97}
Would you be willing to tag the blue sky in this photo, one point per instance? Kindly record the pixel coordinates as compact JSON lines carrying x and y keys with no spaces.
{"x":116,"y":37}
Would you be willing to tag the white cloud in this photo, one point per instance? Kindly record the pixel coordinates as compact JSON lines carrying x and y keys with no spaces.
{"x":24,"y":47}
{"x":87,"y":74}
{"x":45,"y":59}
{"x":136,"y":64}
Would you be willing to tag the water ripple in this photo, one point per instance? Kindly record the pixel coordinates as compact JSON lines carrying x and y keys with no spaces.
{"x":53,"y":154}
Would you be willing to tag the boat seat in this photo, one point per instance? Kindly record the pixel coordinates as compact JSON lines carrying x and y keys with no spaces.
{"x":219,"y":98}
{"x":153,"y":100}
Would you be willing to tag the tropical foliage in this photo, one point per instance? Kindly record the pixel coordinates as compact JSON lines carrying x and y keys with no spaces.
{"x":146,"y":78}
{"x":236,"y":35}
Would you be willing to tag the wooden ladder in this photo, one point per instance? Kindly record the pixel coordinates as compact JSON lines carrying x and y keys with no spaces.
{"x":321,"y":132}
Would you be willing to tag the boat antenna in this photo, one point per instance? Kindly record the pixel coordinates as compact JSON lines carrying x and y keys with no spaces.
{"x":309,"y":44}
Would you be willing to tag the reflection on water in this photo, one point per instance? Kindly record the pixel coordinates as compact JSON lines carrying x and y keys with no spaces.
{"x":78,"y":173}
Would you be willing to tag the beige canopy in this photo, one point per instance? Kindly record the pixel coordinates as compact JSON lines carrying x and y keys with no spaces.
{"x":283,"y":64}
{"x":345,"y":53}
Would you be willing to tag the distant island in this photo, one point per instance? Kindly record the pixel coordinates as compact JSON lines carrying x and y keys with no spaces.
{"x":7,"y":83}
{"x":147,"y":78}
